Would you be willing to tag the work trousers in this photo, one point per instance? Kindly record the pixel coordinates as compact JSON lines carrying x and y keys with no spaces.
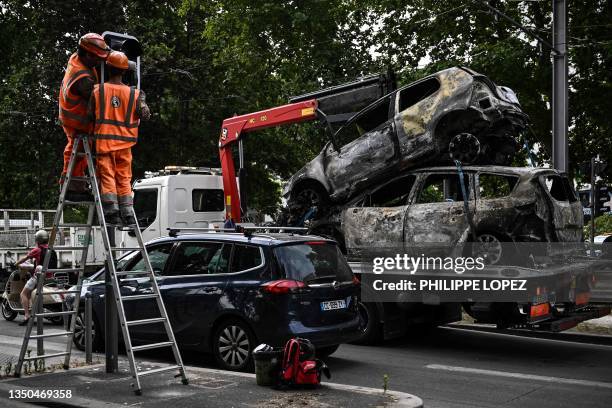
{"x":80,"y":162}
{"x":114,"y":171}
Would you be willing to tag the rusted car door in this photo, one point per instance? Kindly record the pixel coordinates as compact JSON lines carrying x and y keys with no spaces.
{"x":566,"y":209}
{"x":437,"y":214}
{"x":363,"y":149}
{"x":377,"y":220}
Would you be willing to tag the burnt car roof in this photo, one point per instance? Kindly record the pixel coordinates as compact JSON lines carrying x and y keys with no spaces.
{"x":491,"y":168}
{"x":271,"y":239}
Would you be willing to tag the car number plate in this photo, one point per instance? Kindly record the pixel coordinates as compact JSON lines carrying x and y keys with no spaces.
{"x":333,"y":305}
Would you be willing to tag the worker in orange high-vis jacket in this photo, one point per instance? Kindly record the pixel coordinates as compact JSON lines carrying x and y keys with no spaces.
{"x":116,"y":109}
{"x":75,"y":91}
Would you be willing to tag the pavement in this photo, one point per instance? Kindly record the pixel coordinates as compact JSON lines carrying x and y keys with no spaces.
{"x":448,"y":367}
{"x":91,"y":386}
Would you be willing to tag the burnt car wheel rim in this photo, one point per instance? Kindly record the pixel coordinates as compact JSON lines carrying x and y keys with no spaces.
{"x":491,"y":247}
{"x":464,"y":147}
{"x":79,"y":330}
{"x":234,"y":346}
{"x":309,"y":197}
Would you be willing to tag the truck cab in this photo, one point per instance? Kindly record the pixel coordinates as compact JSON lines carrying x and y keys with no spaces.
{"x":177,"y":197}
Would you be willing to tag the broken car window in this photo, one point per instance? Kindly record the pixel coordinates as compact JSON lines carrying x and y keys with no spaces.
{"x":495,"y":185}
{"x":416,"y":93}
{"x":439,"y":188}
{"x":555,"y":187}
{"x":364,"y":122}
{"x":392,"y":194}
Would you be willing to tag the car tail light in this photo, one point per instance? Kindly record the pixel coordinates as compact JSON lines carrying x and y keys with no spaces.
{"x":283,"y":286}
{"x":539,"y":310}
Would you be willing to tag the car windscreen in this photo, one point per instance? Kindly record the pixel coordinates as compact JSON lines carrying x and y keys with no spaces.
{"x":318,"y":261}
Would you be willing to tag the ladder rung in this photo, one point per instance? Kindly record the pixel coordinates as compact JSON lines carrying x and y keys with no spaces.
{"x":146,"y":321}
{"x":65,"y":270}
{"x":158,"y":370}
{"x":69,"y":248}
{"x":59,"y":334}
{"x":138,"y":297}
{"x":46,"y":356}
{"x":61,"y":292}
{"x":78,"y":202}
{"x":50,"y":314}
{"x":80,"y":178}
{"x":152,"y":346}
{"x":74,"y":225}
{"x":123,"y":273}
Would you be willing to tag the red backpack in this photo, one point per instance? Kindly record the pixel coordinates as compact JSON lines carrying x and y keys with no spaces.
{"x":299,"y":366}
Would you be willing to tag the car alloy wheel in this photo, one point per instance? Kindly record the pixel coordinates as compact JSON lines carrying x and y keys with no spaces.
{"x":233,"y":346}
{"x":491,"y":247}
{"x":7,"y":312}
{"x":79,"y":332}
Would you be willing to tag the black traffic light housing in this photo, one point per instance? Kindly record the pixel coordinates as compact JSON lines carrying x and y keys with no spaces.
{"x":131,"y":47}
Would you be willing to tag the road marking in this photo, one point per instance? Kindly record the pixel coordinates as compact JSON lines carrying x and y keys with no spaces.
{"x":522,"y":376}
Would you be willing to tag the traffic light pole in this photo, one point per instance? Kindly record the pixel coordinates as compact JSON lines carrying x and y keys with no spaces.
{"x":560,"y":86}
{"x":593,"y":175}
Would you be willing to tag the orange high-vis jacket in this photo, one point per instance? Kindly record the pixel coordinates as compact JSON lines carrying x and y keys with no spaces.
{"x":73,"y":107}
{"x":116,"y":121}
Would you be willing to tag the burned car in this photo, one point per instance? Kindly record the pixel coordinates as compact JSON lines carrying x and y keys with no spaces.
{"x":455,"y":114}
{"x":506,"y":204}
{"x":513,"y":214}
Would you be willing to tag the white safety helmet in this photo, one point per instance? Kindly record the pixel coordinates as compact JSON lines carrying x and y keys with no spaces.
{"x":41,"y":237}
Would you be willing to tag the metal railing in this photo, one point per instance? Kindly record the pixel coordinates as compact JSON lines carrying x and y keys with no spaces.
{"x":26,"y":219}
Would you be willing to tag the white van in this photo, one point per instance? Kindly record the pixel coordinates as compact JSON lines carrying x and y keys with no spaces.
{"x":177,"y":197}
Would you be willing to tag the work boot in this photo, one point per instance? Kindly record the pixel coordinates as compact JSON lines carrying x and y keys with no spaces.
{"x":78,"y":196}
{"x":127,"y":213}
{"x":78,"y":190}
{"x":113,"y":219}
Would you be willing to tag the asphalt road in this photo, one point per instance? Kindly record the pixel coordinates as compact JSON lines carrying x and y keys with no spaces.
{"x":450,"y":367}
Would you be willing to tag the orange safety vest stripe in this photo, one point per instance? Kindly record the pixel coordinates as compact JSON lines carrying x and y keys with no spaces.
{"x":116,"y":127}
{"x":73,"y":107}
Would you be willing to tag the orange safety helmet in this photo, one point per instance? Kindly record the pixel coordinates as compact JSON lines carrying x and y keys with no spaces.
{"x":94,"y":44}
{"x":118,"y":59}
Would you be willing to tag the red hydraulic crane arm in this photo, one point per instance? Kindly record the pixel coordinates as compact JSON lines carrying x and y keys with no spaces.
{"x":231,"y":132}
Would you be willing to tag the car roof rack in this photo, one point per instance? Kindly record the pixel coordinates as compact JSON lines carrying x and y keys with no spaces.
{"x":247,"y":231}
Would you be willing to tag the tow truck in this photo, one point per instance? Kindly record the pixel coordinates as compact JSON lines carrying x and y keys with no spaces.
{"x":385,"y":319}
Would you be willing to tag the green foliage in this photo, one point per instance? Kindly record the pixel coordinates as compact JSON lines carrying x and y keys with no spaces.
{"x":205,"y":61}
{"x":603,"y":225}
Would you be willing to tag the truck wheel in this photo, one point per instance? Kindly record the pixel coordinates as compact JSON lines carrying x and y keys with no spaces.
{"x":7,"y":312}
{"x":372,"y":329}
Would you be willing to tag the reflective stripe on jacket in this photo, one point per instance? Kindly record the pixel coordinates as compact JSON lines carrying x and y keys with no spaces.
{"x":116,"y":121}
{"x":73,"y":107}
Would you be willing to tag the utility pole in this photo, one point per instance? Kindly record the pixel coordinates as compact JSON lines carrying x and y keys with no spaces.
{"x":560,"y":86}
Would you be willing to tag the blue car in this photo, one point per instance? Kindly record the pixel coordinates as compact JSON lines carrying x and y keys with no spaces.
{"x":227,"y":292}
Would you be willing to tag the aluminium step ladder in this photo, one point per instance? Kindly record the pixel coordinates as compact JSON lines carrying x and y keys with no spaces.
{"x":96,"y":206}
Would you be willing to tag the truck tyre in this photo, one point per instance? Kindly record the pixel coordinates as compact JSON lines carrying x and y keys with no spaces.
{"x":372,"y":329}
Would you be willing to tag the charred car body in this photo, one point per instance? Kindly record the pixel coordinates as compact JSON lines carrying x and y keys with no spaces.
{"x":453,"y":114}
{"x":508,"y":207}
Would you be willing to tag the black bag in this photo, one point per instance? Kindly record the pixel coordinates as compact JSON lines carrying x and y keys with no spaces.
{"x":52,"y":258}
